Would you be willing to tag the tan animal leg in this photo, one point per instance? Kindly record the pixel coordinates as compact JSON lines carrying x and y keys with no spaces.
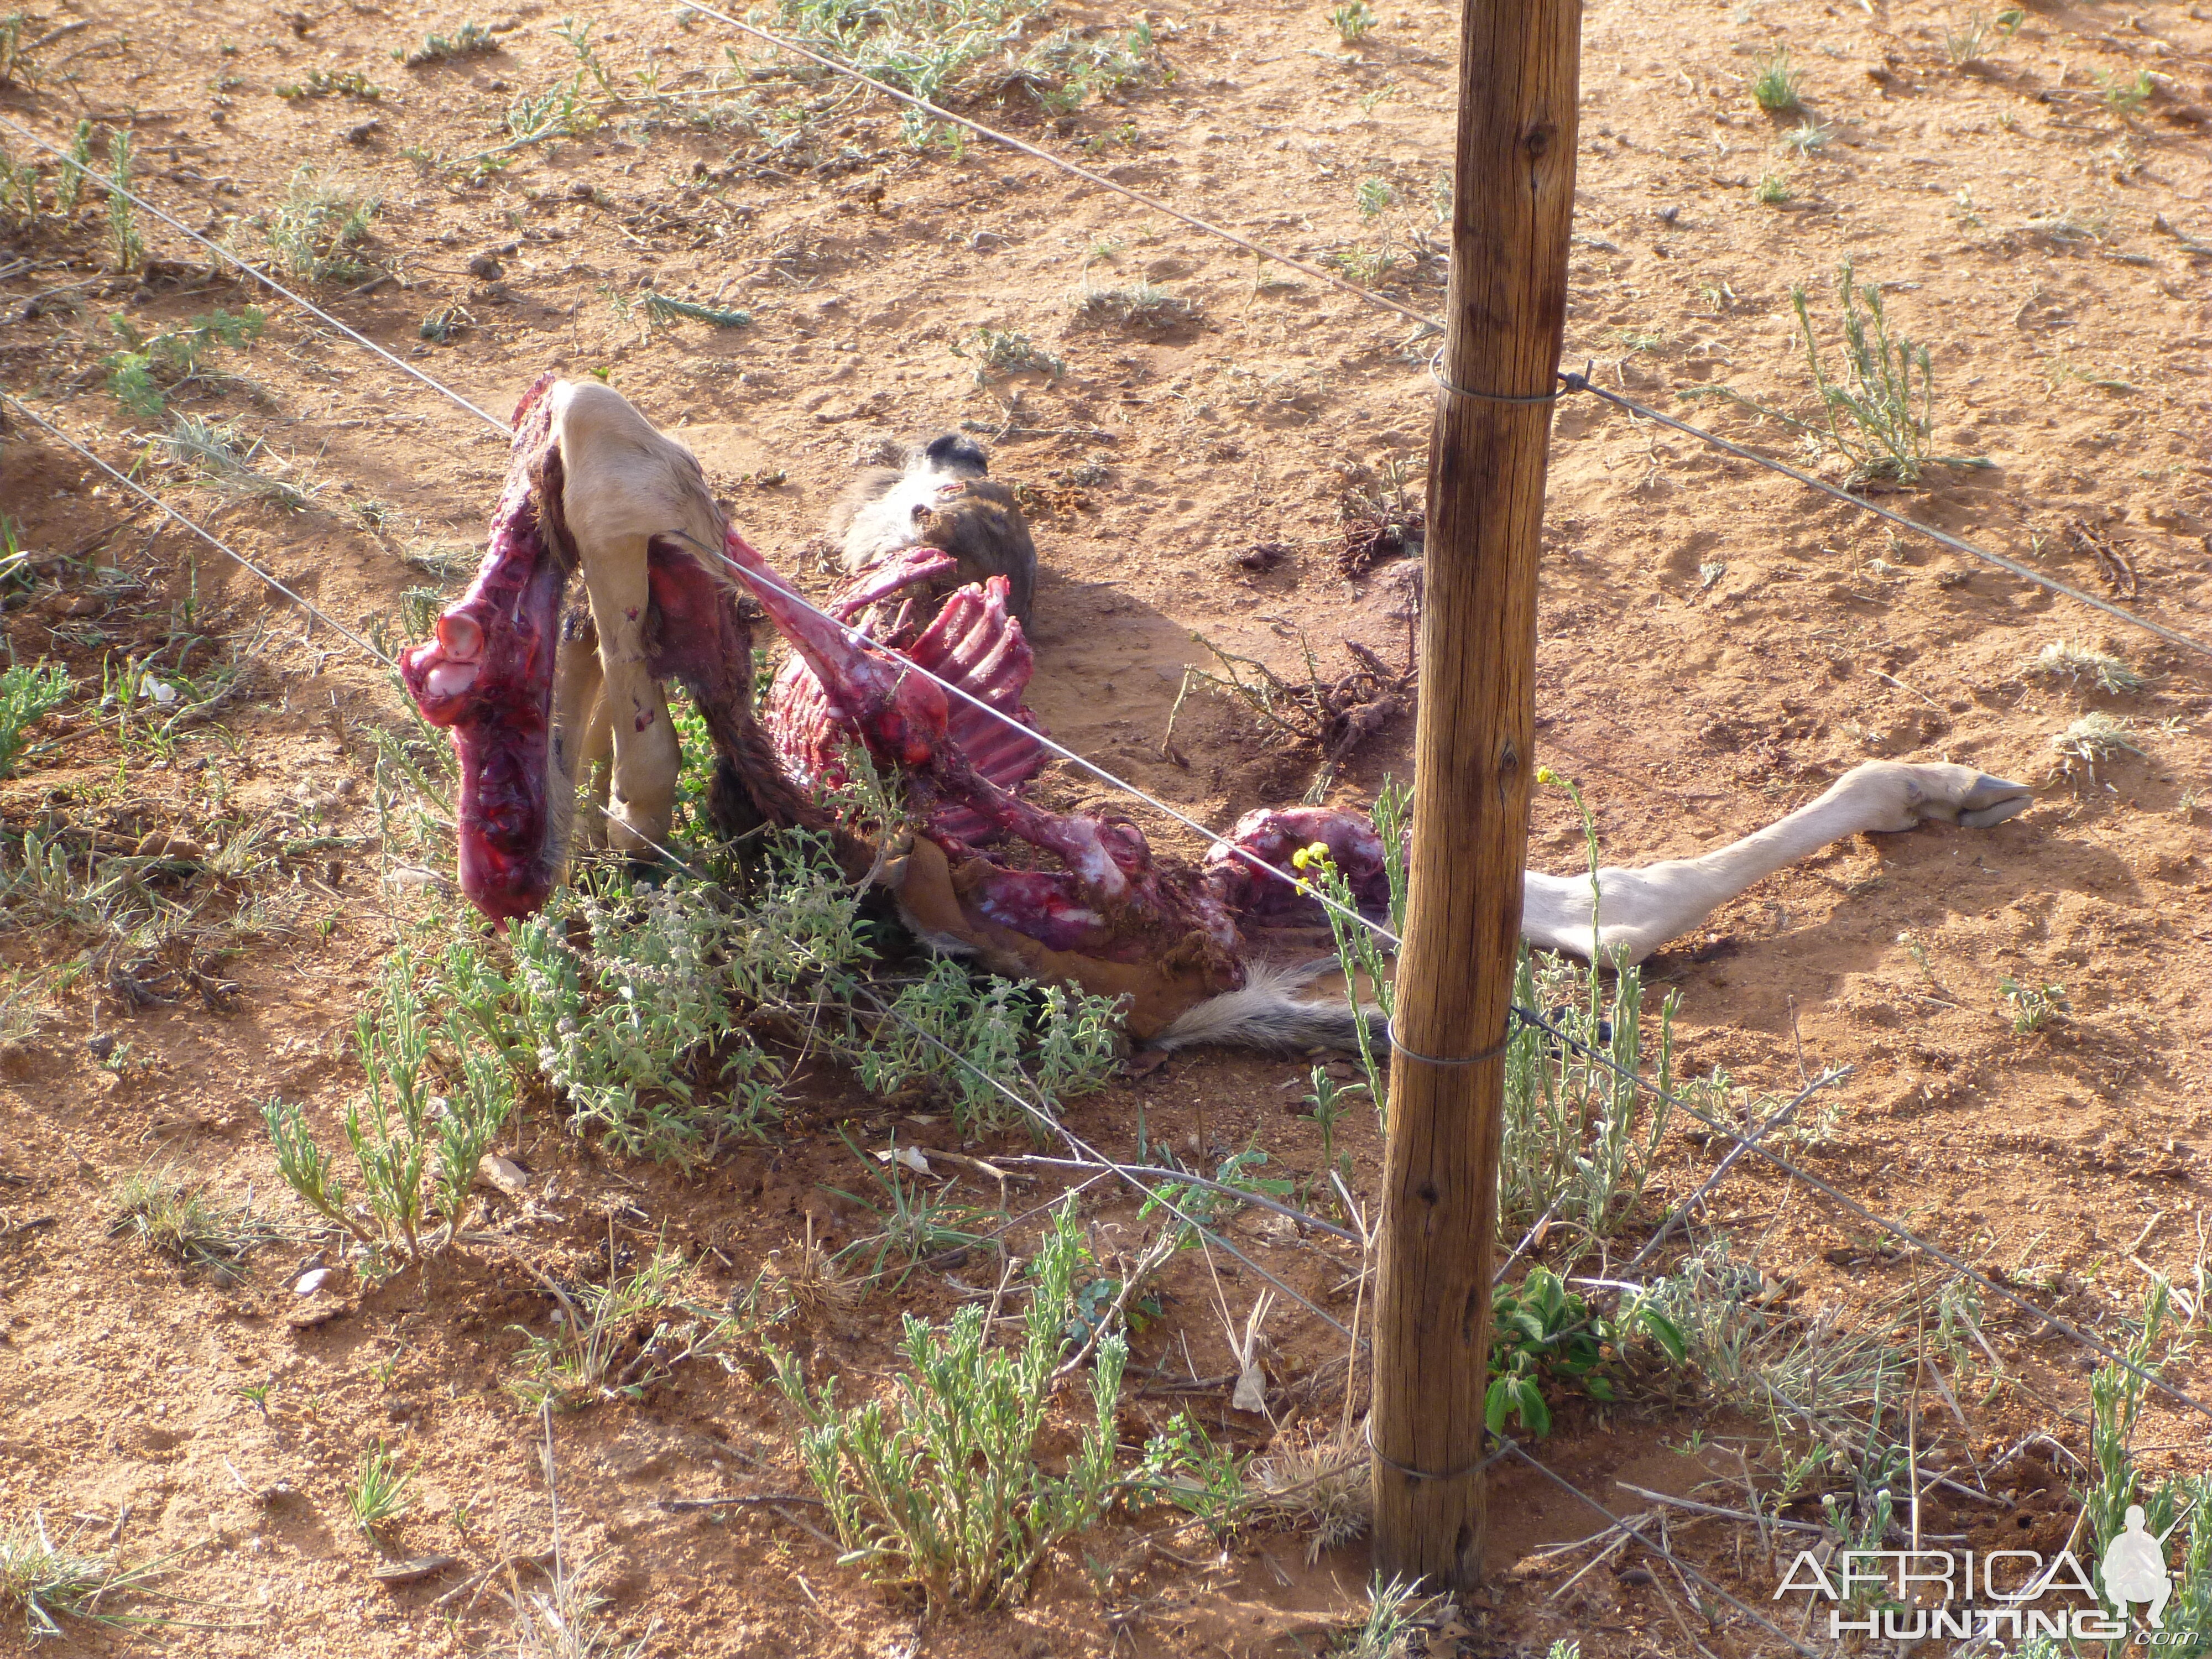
{"x":598,"y":758}
{"x":1640,"y":909}
{"x":579,"y":743}
{"x":641,"y":485}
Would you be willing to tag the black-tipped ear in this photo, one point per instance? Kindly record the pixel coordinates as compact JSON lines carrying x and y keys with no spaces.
{"x":954,"y":453}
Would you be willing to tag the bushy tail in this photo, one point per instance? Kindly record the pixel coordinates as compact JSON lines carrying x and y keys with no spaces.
{"x":1267,"y":1014}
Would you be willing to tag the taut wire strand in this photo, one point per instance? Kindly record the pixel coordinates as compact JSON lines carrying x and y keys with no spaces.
{"x":2171,"y":637}
{"x":1091,"y":1155}
{"x":1576,"y":382}
{"x":314,"y":612}
{"x":252,"y":270}
{"x":1083,"y":172}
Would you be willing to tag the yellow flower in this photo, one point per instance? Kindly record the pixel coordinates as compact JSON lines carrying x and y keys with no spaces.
{"x":1545,"y":775}
{"x":1318,"y":851}
{"x":1298,"y":858}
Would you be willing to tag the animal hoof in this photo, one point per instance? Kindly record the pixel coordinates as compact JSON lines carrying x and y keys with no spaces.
{"x":1992,"y":800}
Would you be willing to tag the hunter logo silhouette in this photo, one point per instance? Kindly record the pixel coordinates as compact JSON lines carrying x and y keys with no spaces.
{"x":2134,"y":1569}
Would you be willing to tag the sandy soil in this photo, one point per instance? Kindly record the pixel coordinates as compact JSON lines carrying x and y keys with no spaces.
{"x":1717,"y":644}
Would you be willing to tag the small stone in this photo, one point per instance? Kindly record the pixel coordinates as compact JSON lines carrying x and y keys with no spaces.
{"x":503,"y":1174}
{"x":160,"y":844}
{"x":408,"y":1572}
{"x":310,"y":1282}
{"x":484,"y":266}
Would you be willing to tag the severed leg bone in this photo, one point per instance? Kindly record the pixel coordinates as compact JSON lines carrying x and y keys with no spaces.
{"x":488,"y":676}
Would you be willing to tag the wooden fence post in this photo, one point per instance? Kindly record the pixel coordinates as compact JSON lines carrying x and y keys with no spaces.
{"x":1513,"y":203}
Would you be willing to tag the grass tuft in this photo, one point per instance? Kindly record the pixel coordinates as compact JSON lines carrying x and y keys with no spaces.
{"x":814,"y":1286}
{"x":175,"y":1220}
{"x":2063,"y":659}
{"x":1964,"y":42}
{"x":49,"y":1582}
{"x":1392,"y":1605}
{"x":1806,"y":137}
{"x":377,"y":1497}
{"x":1320,"y":1488}
{"x":614,"y":1341}
{"x":1774,"y":86}
{"x":225,"y":457}
{"x":2094,"y":739}
{"x":316,"y":228}
{"x":566,"y":1622}
{"x":325,"y":83}
{"x":926,"y":47}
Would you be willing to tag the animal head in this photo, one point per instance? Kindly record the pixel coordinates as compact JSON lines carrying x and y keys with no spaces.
{"x":939,"y":496}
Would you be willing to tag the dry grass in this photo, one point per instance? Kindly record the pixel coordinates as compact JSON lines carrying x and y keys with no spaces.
{"x":814,"y":1286}
{"x":1317,"y":1488}
{"x":2063,"y":659}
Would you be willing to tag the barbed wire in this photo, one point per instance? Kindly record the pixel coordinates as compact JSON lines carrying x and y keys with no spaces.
{"x":1213,"y":838}
{"x":1582,"y":382}
{"x":1526,"y":1017}
{"x":1570,"y":381}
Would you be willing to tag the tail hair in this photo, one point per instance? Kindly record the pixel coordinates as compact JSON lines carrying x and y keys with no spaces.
{"x":1266,"y":1014}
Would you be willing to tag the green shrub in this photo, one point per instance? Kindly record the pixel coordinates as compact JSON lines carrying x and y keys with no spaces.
{"x":939,"y":1487}
{"x":27,"y":693}
{"x":414,"y":1151}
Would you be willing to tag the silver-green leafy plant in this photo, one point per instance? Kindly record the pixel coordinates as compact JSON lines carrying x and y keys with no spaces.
{"x":1579,"y":1143}
{"x":970,"y":1037}
{"x":1880,"y":412}
{"x":27,"y":694}
{"x":939,"y":1487}
{"x":150,"y":368}
{"x":414,"y":1150}
{"x":69,"y":187}
{"x":316,"y":228}
{"x":2117,"y":1484}
{"x":926,"y":47}
{"x":618,"y":1026}
{"x":123,"y":229}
